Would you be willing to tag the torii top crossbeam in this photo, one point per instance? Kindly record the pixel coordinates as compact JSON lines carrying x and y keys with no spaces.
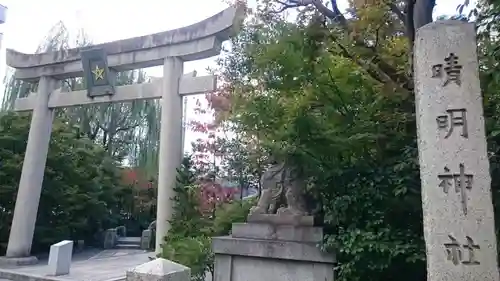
{"x":198,"y":41}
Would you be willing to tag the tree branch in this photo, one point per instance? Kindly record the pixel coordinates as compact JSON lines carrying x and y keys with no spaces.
{"x":93,"y":134}
{"x":385,"y":72}
{"x":372,"y":69}
{"x":104,"y":129}
{"x":333,"y":14}
{"x":336,"y":16}
{"x":287,"y":5}
{"x":410,"y":26}
{"x":127,"y":128}
{"x":422,"y":12}
{"x":398,"y":13}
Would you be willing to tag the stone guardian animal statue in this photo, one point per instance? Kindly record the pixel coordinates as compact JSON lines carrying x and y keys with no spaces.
{"x":282,"y":192}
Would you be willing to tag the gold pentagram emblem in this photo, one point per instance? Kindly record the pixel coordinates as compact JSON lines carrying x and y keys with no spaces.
{"x":98,"y":73}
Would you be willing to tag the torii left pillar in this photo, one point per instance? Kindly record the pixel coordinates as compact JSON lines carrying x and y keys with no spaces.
{"x":30,"y":184}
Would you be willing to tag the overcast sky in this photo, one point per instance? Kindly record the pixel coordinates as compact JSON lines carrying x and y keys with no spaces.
{"x":28,"y":21}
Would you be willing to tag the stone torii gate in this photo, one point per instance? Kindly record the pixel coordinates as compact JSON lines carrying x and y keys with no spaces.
{"x":170,"y":49}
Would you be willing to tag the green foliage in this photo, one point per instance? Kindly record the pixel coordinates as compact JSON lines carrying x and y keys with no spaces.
{"x":488,"y":51}
{"x":185,"y":242}
{"x":309,"y":103}
{"x":189,"y":239}
{"x":138,"y":203}
{"x":192,"y":251}
{"x":186,"y":220}
{"x":308,"y":92}
{"x":81,"y":190}
{"x":229,"y":213}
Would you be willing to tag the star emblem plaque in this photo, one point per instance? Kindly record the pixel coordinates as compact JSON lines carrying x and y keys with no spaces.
{"x":99,"y":78}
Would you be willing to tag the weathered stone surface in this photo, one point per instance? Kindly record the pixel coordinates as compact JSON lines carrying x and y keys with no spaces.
{"x":151,"y":90}
{"x":159,"y":270}
{"x":281,"y":219}
{"x":456,"y":197}
{"x":60,"y":258}
{"x":30,"y":184}
{"x":110,"y":238}
{"x":17,"y":261}
{"x":269,"y":231}
{"x":272,"y":249}
{"x":240,"y":259}
{"x":170,"y":151}
{"x":198,"y":41}
{"x":99,"y":79}
{"x":282,"y":192}
{"x":146,"y":237}
{"x":242,"y":268}
{"x":272,"y":252}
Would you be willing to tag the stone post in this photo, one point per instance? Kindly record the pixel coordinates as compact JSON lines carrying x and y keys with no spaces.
{"x":60,"y":258}
{"x":459,"y":226}
{"x":170,"y":155}
{"x":30,"y":185}
{"x":159,"y":270}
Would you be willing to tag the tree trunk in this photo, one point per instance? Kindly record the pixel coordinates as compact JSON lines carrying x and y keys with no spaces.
{"x":422,"y":12}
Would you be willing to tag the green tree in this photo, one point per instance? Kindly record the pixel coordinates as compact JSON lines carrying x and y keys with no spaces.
{"x":139,"y":204}
{"x":192,"y":225}
{"x":364,"y":28}
{"x":81,"y":192}
{"x":185,"y":242}
{"x":186,"y":220}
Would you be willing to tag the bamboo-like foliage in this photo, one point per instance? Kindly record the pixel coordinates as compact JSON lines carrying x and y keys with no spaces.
{"x":129,"y":131}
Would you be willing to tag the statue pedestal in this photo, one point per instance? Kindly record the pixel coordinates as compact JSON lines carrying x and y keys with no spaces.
{"x":272,"y":252}
{"x":281,"y":219}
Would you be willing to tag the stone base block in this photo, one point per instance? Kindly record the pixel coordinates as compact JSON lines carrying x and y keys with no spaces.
{"x":268,"y":231}
{"x":281,"y":219}
{"x":244,"y":259}
{"x":9,"y":261}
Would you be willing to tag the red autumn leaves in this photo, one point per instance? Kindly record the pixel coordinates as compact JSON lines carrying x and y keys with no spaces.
{"x":205,"y":151}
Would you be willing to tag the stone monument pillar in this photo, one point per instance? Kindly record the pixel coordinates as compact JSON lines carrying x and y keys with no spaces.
{"x":459,"y":226}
